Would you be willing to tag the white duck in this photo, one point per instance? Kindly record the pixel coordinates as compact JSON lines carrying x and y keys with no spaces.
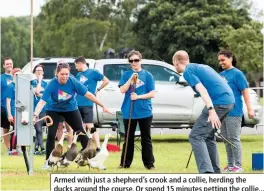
{"x":99,"y":159}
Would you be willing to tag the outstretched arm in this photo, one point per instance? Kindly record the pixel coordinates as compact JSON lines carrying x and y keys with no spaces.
{"x":94,"y":99}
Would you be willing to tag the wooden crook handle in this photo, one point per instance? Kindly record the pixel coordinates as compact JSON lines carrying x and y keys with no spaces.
{"x":134,"y":79}
{"x":48,"y":119}
{"x":7,"y":133}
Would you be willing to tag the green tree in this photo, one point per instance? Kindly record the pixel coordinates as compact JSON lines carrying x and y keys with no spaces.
{"x":247,"y":45}
{"x":15,"y":39}
{"x":74,"y":27}
{"x":164,"y":26}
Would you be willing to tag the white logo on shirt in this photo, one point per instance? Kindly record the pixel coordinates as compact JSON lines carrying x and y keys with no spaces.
{"x":9,"y":82}
{"x":139,"y":83}
{"x":83,"y":79}
{"x":63,"y":95}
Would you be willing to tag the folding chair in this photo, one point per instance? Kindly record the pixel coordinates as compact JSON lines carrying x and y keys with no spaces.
{"x":121,"y":130}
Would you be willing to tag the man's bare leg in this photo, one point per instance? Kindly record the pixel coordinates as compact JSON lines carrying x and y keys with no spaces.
{"x":95,"y":136}
{"x":6,"y":138}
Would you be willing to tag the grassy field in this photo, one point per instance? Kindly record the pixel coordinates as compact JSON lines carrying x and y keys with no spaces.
{"x":171,"y":154}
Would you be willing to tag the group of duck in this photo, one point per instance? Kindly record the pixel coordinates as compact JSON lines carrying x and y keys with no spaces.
{"x":87,"y":157}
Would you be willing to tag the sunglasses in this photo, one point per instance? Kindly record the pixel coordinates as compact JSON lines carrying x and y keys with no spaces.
{"x":135,"y":60}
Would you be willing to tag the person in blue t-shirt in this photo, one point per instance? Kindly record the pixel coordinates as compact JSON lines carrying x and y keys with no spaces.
{"x":231,"y":126}
{"x":219,"y":100}
{"x":89,"y":78}
{"x":6,"y":79}
{"x":140,"y":111}
{"x":10,"y":108}
{"x":39,"y":86}
{"x":59,"y":98}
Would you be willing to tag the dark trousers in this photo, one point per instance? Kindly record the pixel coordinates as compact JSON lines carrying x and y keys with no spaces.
{"x":203,"y":140}
{"x":39,"y":134}
{"x":147,"y":151}
{"x":73,"y":118}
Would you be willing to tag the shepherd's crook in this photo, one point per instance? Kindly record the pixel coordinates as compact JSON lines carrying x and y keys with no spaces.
{"x":189,"y":159}
{"x":47,"y":118}
{"x":134,"y":82}
{"x":217,"y":133}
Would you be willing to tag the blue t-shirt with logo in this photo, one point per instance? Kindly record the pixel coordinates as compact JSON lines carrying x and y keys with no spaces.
{"x":34,"y":84}
{"x":62,"y":98}
{"x":142,"y":108}
{"x":89,"y":79}
{"x":6,"y":79}
{"x":217,"y":88}
{"x":11,"y":93}
{"x":238,"y":82}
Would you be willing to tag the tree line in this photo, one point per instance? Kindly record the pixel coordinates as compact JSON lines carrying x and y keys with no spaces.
{"x":155,"y":27}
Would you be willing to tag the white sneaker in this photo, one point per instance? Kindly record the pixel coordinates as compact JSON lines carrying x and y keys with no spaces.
{"x":46,"y":166}
{"x":19,"y":150}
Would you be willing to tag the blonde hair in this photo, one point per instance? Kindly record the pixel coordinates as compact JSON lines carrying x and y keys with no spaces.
{"x":181,"y":56}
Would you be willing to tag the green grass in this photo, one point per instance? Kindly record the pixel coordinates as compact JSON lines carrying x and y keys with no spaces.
{"x":171,"y":154}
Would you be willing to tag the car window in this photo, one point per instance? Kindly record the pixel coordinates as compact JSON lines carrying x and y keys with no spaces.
{"x":114,"y":72}
{"x":161,"y":73}
{"x":49,"y":69}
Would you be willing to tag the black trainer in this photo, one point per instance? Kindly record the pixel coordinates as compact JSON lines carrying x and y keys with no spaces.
{"x":150,"y":167}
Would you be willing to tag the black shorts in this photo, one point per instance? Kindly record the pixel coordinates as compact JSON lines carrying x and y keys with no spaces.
{"x":4,"y":120}
{"x":87,"y":115}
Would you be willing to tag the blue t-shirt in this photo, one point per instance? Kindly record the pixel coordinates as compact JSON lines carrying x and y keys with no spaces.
{"x":34,"y":84}
{"x":217,"y":88}
{"x":6,"y":79}
{"x":238,"y":82}
{"x":61,"y":98}
{"x":142,"y":108}
{"x":11,"y":93}
{"x":89,"y":79}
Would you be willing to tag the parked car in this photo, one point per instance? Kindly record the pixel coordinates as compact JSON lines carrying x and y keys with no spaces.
{"x":174,"y":106}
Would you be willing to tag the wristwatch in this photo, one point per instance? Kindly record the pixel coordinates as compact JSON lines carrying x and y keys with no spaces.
{"x":210,"y":108}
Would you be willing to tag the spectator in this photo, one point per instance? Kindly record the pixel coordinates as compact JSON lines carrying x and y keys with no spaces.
{"x":231,"y":126}
{"x":219,"y":100}
{"x":89,"y":78}
{"x":6,"y":79}
{"x":39,"y":86}
{"x":141,"y":111}
{"x":10,"y":108}
{"x":59,"y":96}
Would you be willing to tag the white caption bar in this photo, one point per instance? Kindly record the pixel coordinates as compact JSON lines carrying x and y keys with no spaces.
{"x":157,"y":182}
